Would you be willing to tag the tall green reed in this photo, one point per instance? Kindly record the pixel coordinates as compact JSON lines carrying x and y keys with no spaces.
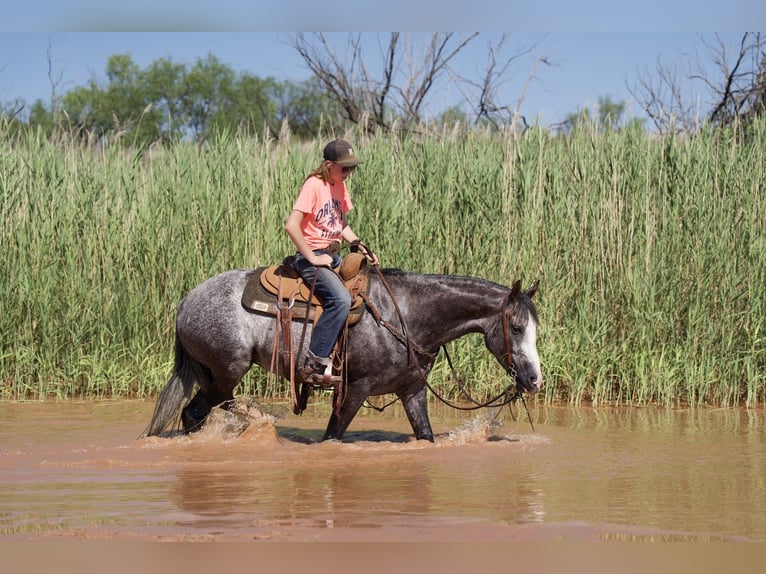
{"x":650,"y":251}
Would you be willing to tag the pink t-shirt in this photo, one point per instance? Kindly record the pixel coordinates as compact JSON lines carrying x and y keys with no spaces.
{"x":324,"y":207}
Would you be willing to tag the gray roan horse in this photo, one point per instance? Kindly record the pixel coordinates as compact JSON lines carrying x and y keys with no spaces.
{"x":217,"y":341}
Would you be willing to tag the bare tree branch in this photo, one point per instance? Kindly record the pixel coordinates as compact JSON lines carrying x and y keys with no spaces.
{"x":662,"y":98}
{"x":54,"y":77}
{"x":735,"y":86}
{"x":364,"y":94}
{"x":740,"y":78}
{"x":485,"y":92}
{"x":436,"y":61}
{"x":379,"y":96}
{"x":335,"y":76}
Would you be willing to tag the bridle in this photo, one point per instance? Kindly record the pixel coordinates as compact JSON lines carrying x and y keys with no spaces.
{"x":509,"y":395}
{"x":508,"y":357}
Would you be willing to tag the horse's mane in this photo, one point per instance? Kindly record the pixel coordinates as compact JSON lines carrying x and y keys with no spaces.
{"x":392,"y":272}
{"x":460,"y":282}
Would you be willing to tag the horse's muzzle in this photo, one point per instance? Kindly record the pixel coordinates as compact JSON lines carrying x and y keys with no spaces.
{"x":530,"y":387}
{"x":528,"y":378}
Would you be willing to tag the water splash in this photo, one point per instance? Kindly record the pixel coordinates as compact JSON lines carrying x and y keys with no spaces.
{"x":478,"y":429}
{"x":238,"y":421}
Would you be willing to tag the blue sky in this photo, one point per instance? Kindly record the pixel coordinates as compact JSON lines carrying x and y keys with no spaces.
{"x":366,"y":15}
{"x":583,"y":65}
{"x":596,"y":47}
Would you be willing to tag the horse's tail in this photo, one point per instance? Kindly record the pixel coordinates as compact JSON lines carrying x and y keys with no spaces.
{"x":177,"y":392}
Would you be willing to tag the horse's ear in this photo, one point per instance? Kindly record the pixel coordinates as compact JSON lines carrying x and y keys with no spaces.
{"x":532,"y":289}
{"x":516,"y":289}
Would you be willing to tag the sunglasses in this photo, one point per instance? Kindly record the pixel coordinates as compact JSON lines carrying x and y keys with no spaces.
{"x":347,"y":169}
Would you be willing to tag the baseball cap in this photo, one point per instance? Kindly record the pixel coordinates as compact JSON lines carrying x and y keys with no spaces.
{"x":340,"y":152}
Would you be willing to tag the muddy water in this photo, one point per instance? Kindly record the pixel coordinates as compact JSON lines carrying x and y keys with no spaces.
{"x":78,"y":470}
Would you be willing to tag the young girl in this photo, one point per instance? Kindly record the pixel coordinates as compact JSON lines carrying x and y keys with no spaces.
{"x":316,"y":225}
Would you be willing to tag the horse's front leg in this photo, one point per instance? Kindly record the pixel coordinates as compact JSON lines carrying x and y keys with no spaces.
{"x":338,"y":423}
{"x":415,"y":405}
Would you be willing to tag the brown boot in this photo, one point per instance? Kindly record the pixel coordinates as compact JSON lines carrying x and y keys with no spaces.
{"x":317,"y":370}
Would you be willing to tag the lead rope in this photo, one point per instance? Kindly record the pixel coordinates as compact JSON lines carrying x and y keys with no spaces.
{"x":506,"y":395}
{"x":405,"y":339}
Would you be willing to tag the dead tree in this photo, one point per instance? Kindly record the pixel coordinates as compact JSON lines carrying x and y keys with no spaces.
{"x":483,"y":96}
{"x":335,"y":75}
{"x":736,"y":87}
{"x":741,"y":92}
{"x":398,"y":93}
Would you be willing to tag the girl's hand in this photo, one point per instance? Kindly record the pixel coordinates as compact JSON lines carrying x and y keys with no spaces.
{"x":372,"y":258}
{"x":322,"y":260}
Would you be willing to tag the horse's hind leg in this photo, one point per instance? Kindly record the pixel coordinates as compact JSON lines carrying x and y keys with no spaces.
{"x":217,"y":394}
{"x":195,"y":412}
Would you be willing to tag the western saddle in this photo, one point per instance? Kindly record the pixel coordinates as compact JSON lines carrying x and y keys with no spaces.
{"x":279,"y":291}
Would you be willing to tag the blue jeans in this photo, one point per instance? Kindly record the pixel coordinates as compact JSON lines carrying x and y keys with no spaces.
{"x":336,"y":303}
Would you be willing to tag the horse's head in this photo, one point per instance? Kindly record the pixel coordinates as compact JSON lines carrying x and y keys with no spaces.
{"x":518,"y":338}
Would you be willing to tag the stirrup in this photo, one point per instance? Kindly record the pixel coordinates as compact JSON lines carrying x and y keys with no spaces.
{"x":324,"y":380}
{"x":316,"y":374}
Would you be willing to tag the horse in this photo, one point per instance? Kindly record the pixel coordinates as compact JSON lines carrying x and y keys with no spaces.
{"x":391,"y":351}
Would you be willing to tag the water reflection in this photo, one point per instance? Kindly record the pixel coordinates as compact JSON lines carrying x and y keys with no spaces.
{"x":679,"y":471}
{"x":320,"y":496}
{"x":377,"y":479}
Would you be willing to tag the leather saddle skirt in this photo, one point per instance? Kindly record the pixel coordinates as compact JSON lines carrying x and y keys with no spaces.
{"x":279,"y":286}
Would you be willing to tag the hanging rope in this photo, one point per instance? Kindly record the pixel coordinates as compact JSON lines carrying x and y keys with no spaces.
{"x":509,"y":395}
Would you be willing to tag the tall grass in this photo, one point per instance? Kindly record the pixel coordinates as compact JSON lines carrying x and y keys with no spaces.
{"x":651,"y":252}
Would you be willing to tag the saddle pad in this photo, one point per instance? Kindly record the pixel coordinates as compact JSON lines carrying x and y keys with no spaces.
{"x":260,"y":294}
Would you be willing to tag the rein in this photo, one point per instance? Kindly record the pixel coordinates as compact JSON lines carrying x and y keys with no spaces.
{"x":507,"y":397}
{"x":501,"y":400}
